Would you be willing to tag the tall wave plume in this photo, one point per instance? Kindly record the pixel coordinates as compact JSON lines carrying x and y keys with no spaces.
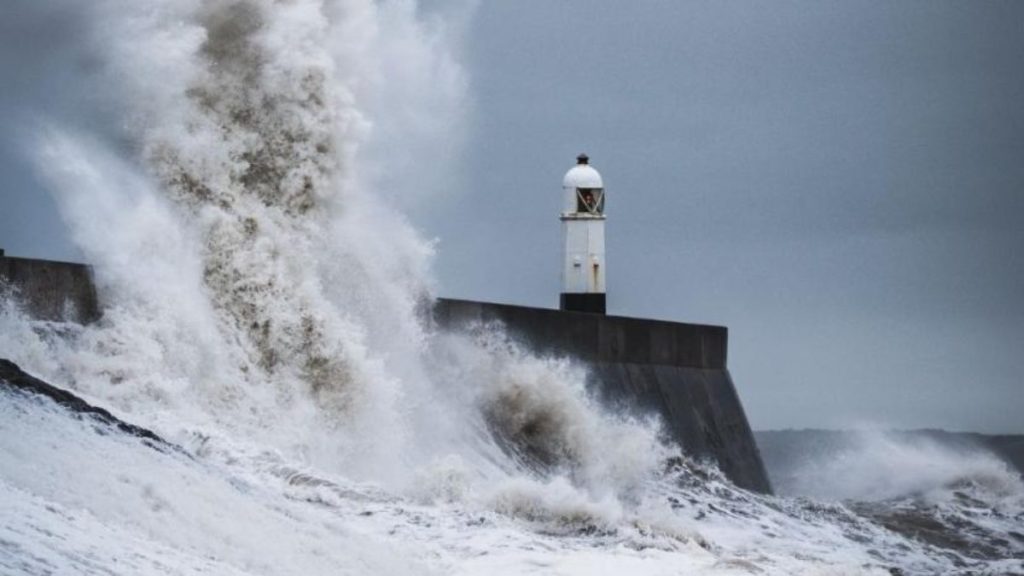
{"x":248,"y":274}
{"x":258,"y":281}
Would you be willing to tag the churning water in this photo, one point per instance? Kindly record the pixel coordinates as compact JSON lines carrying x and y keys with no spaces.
{"x":264,"y":310}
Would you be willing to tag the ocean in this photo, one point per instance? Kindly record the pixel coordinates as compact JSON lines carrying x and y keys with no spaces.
{"x":263,"y":301}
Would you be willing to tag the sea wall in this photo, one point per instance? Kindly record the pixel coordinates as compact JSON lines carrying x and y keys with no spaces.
{"x":50,"y":290}
{"x":674,"y":370}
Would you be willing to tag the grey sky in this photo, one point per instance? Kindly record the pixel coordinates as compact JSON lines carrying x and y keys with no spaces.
{"x":840,"y":183}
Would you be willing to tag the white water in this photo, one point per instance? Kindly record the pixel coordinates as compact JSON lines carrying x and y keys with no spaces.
{"x":263,"y":301}
{"x":876,"y":466}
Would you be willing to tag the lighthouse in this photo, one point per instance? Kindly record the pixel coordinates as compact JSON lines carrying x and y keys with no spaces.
{"x":583,"y":265}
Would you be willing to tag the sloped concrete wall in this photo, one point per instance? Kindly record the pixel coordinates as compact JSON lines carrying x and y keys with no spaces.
{"x":674,"y":370}
{"x":51,"y":290}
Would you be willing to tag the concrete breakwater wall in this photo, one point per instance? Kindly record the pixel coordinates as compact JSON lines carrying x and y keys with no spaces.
{"x":50,"y":290}
{"x":674,"y":370}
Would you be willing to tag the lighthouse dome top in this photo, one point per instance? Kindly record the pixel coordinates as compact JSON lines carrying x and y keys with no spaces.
{"x":582,"y":175}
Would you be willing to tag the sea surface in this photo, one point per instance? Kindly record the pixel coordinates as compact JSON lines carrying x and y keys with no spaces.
{"x":231,"y":169}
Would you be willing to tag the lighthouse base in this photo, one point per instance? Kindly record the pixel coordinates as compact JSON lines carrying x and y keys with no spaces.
{"x":573,"y":302}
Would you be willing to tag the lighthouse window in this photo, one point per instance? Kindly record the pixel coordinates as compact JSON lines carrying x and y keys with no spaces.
{"x":590,"y":200}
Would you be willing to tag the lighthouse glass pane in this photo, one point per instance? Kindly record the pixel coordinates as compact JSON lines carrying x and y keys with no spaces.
{"x":590,"y":200}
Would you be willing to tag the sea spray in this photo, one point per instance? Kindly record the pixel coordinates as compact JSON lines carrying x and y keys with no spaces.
{"x":873,"y":465}
{"x":255,"y":282}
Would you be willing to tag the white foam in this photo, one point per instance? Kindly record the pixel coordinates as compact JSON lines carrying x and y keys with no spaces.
{"x":877,"y":465}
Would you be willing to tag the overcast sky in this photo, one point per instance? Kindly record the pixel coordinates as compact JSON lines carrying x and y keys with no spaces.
{"x":839,"y":183}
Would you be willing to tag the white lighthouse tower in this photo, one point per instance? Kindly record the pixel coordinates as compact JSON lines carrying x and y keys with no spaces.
{"x":583,"y":266}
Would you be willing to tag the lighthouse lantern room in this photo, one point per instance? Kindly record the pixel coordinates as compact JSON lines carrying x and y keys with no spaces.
{"x":583,"y":265}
